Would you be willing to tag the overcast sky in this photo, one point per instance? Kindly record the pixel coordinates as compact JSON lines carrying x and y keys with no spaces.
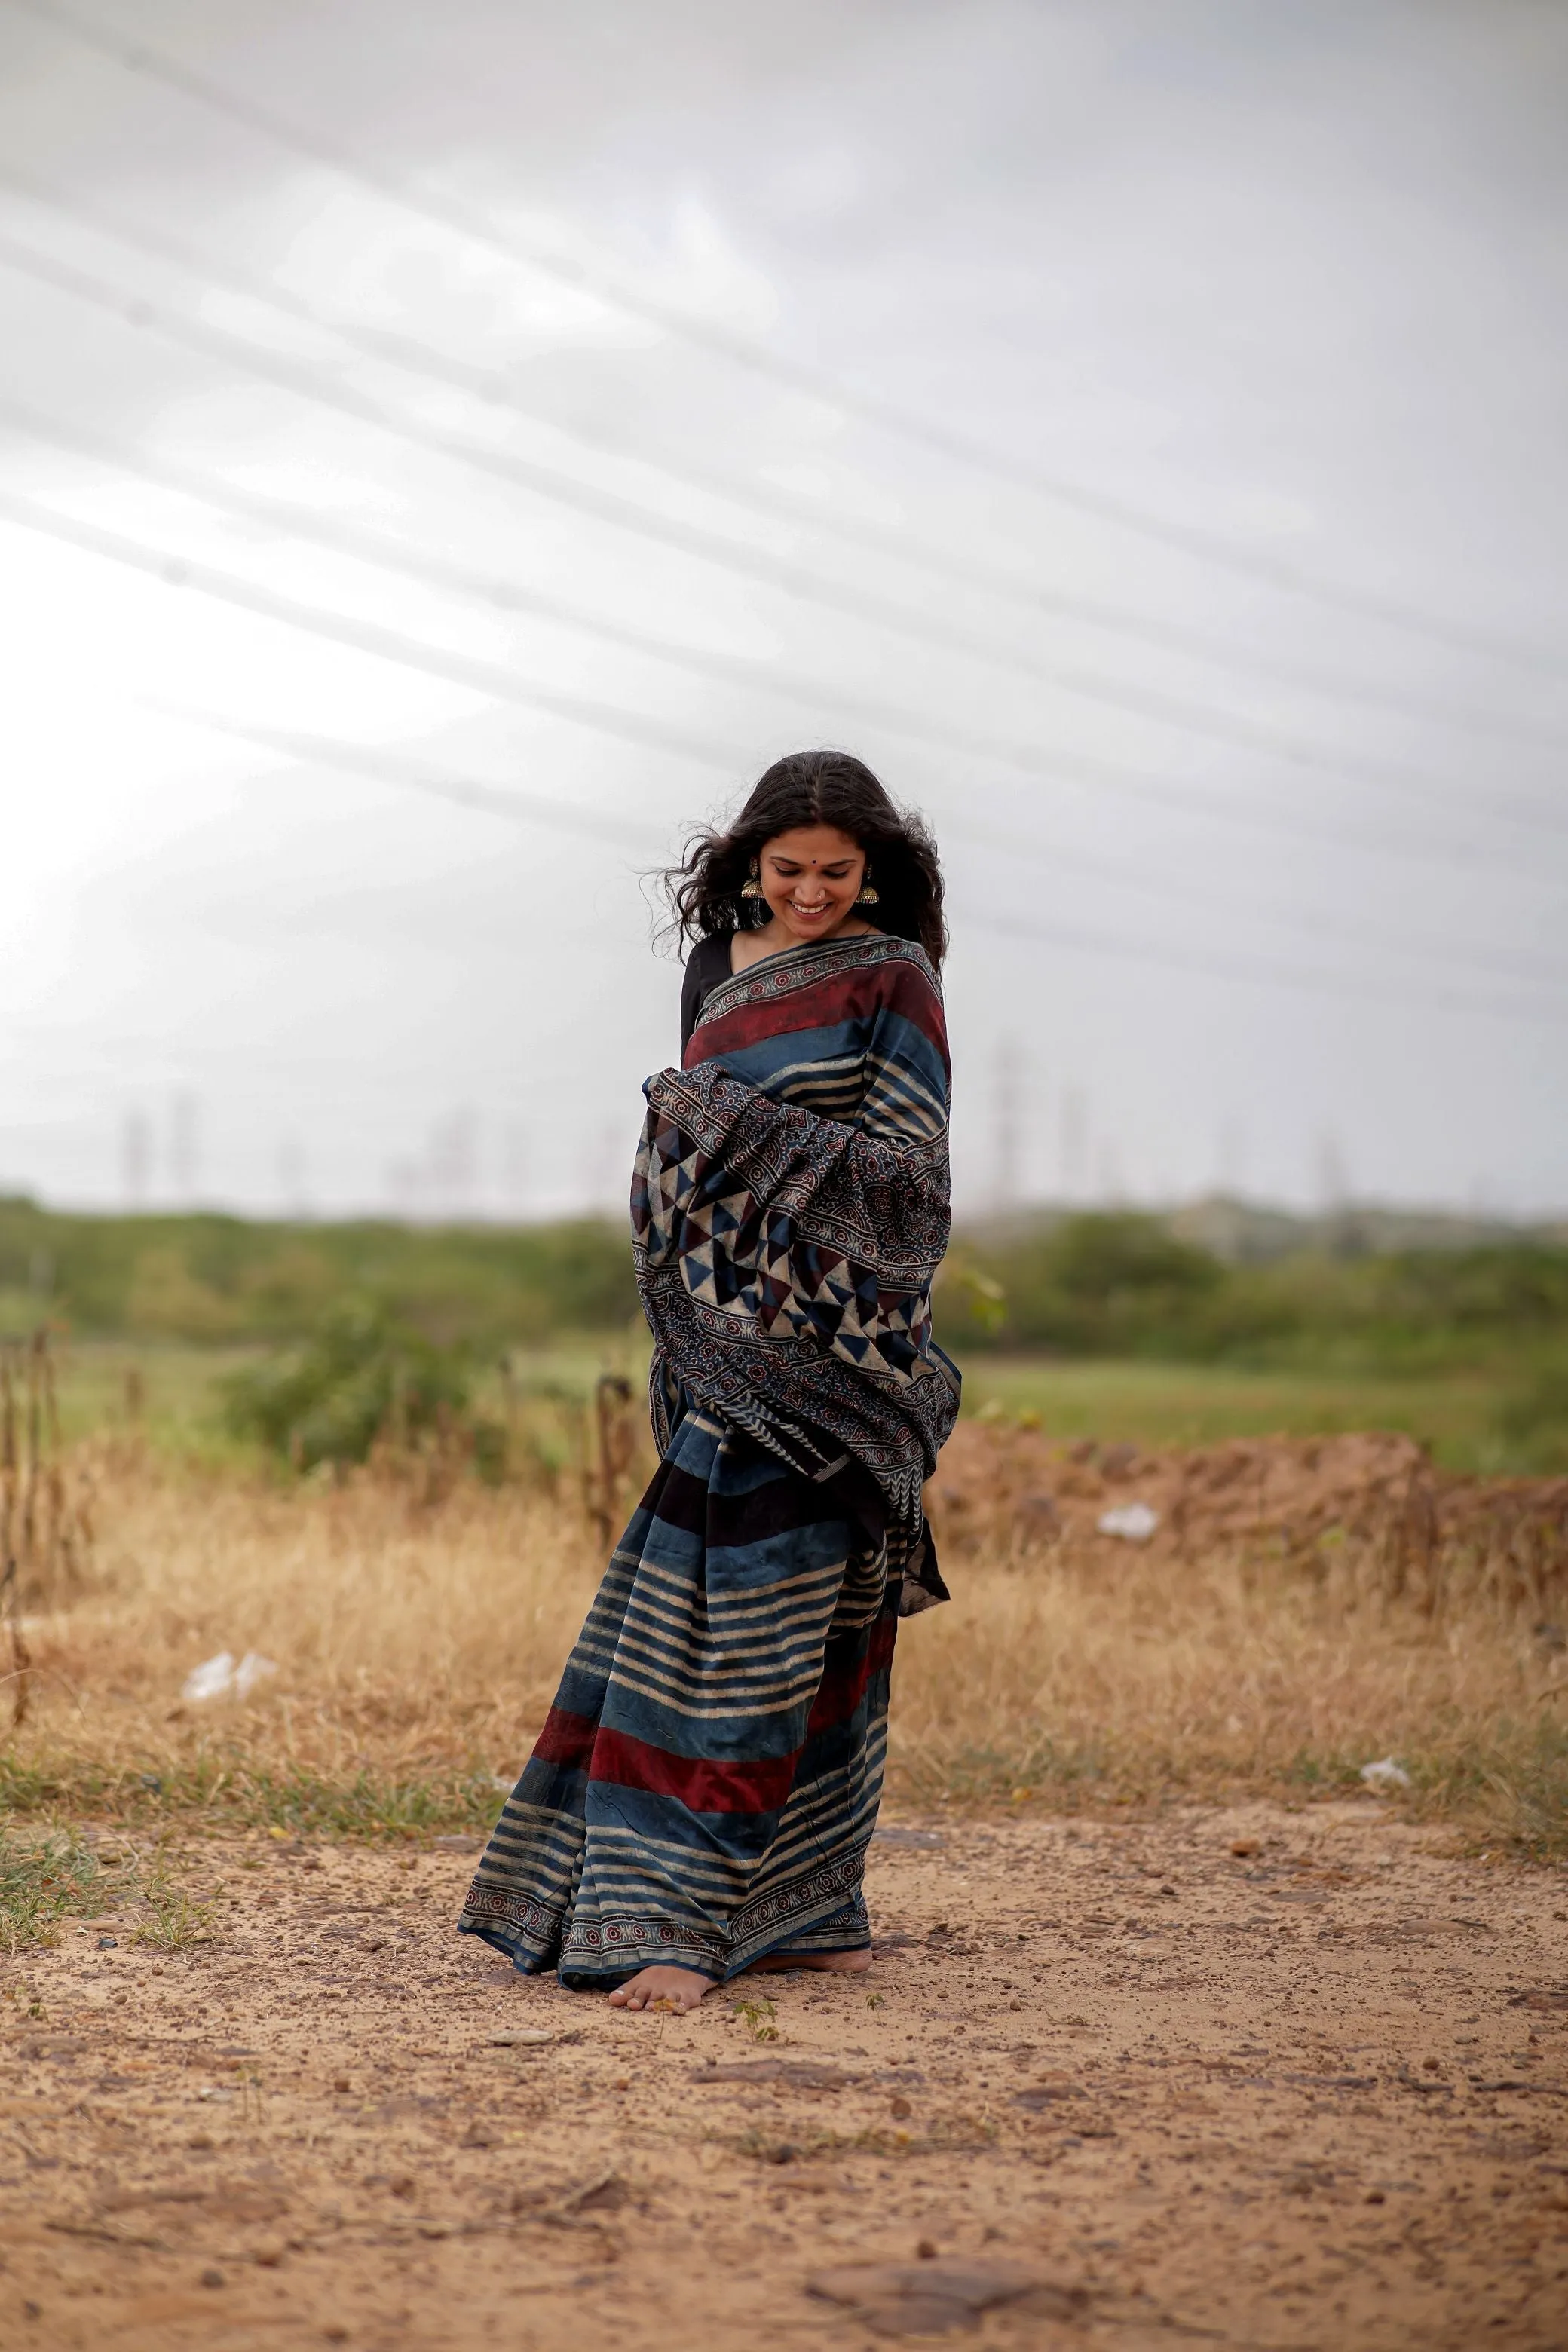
{"x":1136,"y":429}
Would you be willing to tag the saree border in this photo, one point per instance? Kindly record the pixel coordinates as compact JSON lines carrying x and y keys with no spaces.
{"x":771,"y":978}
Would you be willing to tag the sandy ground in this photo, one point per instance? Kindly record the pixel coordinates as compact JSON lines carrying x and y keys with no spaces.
{"x":1254,"y":2077}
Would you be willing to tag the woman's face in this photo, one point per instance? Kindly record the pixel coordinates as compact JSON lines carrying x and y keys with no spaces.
{"x":811,"y":879}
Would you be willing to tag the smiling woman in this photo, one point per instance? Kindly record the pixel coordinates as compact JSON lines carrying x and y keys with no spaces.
{"x":701,"y":1797}
{"x":818,"y":852}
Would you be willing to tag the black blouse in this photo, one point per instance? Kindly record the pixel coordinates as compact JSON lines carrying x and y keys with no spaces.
{"x":706,"y":966}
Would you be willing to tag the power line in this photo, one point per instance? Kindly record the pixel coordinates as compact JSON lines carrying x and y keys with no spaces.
{"x":496,"y":387}
{"x":488,"y":678}
{"x":1079,"y":939}
{"x":366,"y":545}
{"x":387,"y":644}
{"x":1010,"y":845}
{"x":418,"y":776}
{"x":386,"y":553}
{"x":141,"y":58}
{"x":379,"y":766}
{"x":391,"y":645}
{"x":1310,"y":923}
{"x":800,"y":581}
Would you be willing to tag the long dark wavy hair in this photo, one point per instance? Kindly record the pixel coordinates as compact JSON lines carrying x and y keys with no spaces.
{"x":814,"y":788}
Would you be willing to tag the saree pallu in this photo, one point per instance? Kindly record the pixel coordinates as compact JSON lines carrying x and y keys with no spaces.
{"x":789,"y":1213}
{"x":706,"y":1781}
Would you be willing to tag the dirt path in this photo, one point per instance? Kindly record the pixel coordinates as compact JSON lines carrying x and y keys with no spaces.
{"x":1252,"y":2078}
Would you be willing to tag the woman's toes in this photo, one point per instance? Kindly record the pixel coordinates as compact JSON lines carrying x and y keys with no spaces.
{"x":672,"y":1989}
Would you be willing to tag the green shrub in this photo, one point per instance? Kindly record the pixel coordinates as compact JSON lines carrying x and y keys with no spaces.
{"x":360,"y":1378}
{"x":1534,"y":1414}
{"x":204,"y":1277}
{"x":1091,"y":1286}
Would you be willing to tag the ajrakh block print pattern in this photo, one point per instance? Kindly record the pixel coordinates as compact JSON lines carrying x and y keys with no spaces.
{"x":789,"y":1210}
{"x":706,"y":1781}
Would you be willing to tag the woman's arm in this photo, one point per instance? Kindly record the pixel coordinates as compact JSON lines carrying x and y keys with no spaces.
{"x":708,"y":963}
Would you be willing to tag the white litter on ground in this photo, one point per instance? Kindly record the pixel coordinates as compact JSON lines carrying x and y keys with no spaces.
{"x":219,"y":1677}
{"x":1385,"y":1775}
{"x":211,"y":1679}
{"x":1135,"y":1521}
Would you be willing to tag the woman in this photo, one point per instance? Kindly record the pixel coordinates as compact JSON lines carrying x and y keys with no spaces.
{"x":702,"y":1794}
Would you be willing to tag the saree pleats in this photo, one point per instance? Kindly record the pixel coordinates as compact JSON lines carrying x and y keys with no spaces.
{"x":707,"y":1781}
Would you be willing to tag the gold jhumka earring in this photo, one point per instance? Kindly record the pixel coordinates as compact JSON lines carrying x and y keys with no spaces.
{"x":751,"y":887}
{"x":870,"y":894}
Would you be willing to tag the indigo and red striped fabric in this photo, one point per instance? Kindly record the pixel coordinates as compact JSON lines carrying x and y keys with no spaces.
{"x":706,"y":1784}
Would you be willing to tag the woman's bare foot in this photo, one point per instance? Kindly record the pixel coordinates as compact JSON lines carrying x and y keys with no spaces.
{"x":681,"y":1988}
{"x":845,"y":1963}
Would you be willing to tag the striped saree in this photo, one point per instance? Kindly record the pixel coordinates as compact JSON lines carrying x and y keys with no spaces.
{"x":706,"y":1781}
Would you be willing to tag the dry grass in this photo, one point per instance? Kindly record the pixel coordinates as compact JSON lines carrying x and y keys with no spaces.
{"x":1229,"y":1673}
{"x":419,"y":1644}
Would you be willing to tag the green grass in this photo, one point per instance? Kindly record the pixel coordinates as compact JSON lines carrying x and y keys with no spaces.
{"x":1505,"y":1786}
{"x":226,"y":1792}
{"x":1507,"y":1789}
{"x":1145,"y":1403}
{"x":206,"y":1277}
{"x":50,"y":1876}
{"x":173,"y":1392}
{"x":44,"y":1881}
{"x":1202,"y":1404}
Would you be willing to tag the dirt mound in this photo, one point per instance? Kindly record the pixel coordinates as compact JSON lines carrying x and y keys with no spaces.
{"x":1370,"y":1503}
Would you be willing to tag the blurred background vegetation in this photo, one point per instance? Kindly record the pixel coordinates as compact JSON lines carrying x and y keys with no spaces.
{"x":1220,"y":1319}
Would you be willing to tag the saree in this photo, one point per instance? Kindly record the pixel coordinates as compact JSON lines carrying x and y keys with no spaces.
{"x":706,"y":1783}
